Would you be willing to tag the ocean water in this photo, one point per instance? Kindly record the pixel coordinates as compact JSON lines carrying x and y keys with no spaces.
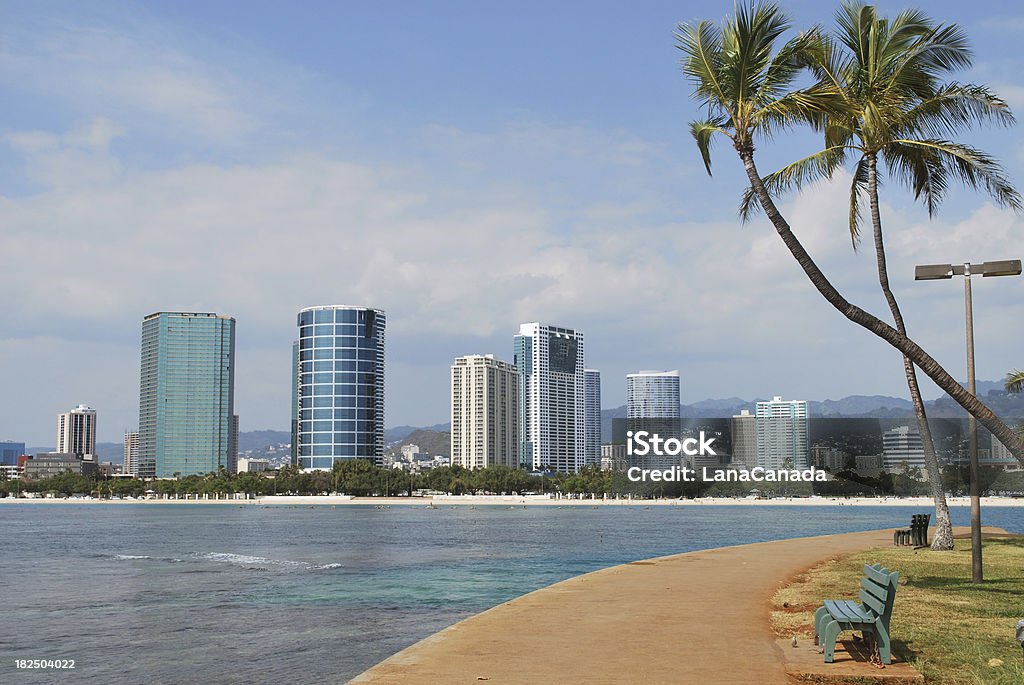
{"x":267,"y":594}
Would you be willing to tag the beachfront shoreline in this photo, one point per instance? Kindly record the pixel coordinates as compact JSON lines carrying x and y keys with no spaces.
{"x":532,"y":501}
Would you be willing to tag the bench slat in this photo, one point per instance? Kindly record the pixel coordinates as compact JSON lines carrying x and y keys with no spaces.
{"x":872,"y":603}
{"x":880,"y":592}
{"x":846,"y":611}
{"x":879,"y":575}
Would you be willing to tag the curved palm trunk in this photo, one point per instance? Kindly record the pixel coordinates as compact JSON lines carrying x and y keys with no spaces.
{"x":943,"y":537}
{"x":921,"y":359}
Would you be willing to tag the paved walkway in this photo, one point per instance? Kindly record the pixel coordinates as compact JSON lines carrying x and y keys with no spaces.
{"x":700,"y":617}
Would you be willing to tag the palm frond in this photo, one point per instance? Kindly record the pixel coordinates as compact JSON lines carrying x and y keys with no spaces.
{"x":858,"y":186}
{"x":702,"y":46}
{"x":953,"y":108}
{"x":974,"y":169}
{"x":749,"y":40}
{"x":703,"y":133}
{"x":1015,"y":381}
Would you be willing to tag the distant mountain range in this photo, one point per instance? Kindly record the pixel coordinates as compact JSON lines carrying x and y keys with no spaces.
{"x":434,"y":438}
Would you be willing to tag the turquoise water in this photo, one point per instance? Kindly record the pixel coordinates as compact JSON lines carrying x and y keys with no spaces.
{"x":221,"y":593}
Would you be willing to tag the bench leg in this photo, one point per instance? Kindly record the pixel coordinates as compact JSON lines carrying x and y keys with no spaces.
{"x":884,"y":643}
{"x":819,"y":623}
{"x":828,"y":637}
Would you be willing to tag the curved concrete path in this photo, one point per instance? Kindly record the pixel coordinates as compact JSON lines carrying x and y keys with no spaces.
{"x":699,"y":617}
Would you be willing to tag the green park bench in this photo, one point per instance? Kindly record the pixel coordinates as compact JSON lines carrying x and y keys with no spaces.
{"x":916,"y":535}
{"x":870,"y":616}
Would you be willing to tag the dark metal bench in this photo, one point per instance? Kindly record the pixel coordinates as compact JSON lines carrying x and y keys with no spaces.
{"x":916,"y":535}
{"x":870,"y":616}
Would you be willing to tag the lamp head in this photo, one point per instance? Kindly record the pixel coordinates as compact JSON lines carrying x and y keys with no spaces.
{"x":933,"y":272}
{"x":1006,"y":267}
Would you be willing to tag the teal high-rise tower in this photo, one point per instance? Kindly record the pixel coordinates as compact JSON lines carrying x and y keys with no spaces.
{"x":187,"y":395}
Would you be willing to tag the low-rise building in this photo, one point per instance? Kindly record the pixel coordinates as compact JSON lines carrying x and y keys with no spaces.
{"x":869,"y":465}
{"x":49,"y":464}
{"x":246,"y":465}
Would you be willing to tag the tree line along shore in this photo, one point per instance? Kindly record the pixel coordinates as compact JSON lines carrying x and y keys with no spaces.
{"x":361,"y":478}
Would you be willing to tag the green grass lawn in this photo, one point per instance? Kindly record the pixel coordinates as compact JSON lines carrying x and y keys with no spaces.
{"x":950,"y":629}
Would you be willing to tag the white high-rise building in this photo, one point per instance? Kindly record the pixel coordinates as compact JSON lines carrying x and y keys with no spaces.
{"x":76,"y":431}
{"x":131,"y":453}
{"x":552,"y":407}
{"x":902,"y":445}
{"x":744,"y":440}
{"x":484,"y":412}
{"x":652,"y":395}
{"x":782,"y":434}
{"x":592,"y":418}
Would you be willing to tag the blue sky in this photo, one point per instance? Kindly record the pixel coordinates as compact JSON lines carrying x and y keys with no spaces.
{"x":466,"y":166}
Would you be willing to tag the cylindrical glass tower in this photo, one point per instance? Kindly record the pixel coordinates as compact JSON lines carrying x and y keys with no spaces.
{"x":338,"y":374}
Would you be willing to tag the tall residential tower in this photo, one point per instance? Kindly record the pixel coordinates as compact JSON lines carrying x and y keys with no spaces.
{"x":338,"y":386}
{"x":485,"y":412}
{"x":652,"y":395}
{"x":552,"y":416}
{"x":130,"y":462}
{"x":782,"y":434}
{"x":187,"y":394}
{"x":76,"y":431}
{"x":592,"y":417}
{"x":744,"y":440}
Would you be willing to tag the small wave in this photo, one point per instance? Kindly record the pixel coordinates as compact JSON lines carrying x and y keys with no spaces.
{"x":327,"y":567}
{"x":127,"y":557}
{"x":248,"y":561}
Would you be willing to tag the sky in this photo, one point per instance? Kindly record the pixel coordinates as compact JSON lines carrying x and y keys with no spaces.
{"x":464,"y":166}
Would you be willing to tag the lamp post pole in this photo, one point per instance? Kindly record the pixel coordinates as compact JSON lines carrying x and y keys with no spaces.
{"x":977,"y":572}
{"x":1010,"y":267}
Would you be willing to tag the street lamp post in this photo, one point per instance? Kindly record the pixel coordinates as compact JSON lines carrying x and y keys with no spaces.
{"x":930,"y":272}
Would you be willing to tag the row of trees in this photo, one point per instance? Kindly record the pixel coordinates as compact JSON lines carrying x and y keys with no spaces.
{"x":361,"y":478}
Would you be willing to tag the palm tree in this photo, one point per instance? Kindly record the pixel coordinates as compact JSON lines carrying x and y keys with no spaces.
{"x":745,"y":84}
{"x":896,"y":106}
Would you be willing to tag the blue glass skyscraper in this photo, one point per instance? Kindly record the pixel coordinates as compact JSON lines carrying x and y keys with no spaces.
{"x":10,"y":451}
{"x":187,"y":395}
{"x":338,"y":386}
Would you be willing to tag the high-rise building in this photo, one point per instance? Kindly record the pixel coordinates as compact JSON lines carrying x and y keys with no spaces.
{"x":338,"y":391}
{"x":744,"y":440}
{"x":187,"y":394}
{"x":234,"y":440}
{"x":782,"y":434}
{"x":76,"y":431}
{"x":902,"y":445}
{"x":592,"y":417}
{"x":552,"y":416}
{"x":10,"y":451}
{"x":652,"y":395}
{"x":484,"y":412}
{"x":652,"y":406}
{"x":998,"y":456}
{"x":131,"y":453}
